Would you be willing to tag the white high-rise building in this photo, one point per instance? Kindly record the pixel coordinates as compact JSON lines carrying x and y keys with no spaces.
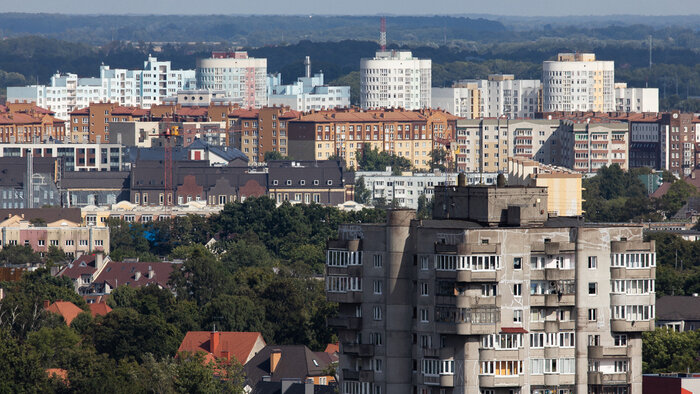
{"x":68,"y":92}
{"x":636,"y":99}
{"x":237,"y":74}
{"x":499,"y":95}
{"x":578,"y":82}
{"x":395,"y":79}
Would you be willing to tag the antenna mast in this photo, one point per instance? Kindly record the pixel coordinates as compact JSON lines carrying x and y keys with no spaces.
{"x":647,"y":84}
{"x":382,"y":34}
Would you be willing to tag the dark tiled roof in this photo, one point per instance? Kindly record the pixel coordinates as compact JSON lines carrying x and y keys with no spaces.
{"x":13,"y":169}
{"x":676,"y":308}
{"x":296,"y":362}
{"x":47,"y":214}
{"x":95,"y":180}
{"x":295,"y":388}
{"x":118,"y":273}
{"x":85,"y":264}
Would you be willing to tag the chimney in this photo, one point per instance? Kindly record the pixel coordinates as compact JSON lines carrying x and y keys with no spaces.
{"x":214,"y":342}
{"x":46,"y":303}
{"x":151,"y":273}
{"x":99,"y":261}
{"x":137,"y":275}
{"x":275,"y":357}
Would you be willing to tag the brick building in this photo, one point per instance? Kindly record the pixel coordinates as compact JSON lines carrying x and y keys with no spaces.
{"x":91,"y":124}
{"x":27,"y":123}
{"x":256,"y":131}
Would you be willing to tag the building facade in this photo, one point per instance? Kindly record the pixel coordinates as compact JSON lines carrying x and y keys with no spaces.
{"x":636,"y":99}
{"x":344,"y":132}
{"x":91,"y":124}
{"x":68,"y":92}
{"x":256,"y":131}
{"x":27,"y":123}
{"x":307,"y":93}
{"x":578,"y":82}
{"x":461,"y":100}
{"x":239,"y":76}
{"x":586,"y":147}
{"x":395,"y":79}
{"x":477,"y":301}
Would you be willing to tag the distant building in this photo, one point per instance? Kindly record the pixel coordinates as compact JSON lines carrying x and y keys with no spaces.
{"x":276,"y":363}
{"x":223,"y":345}
{"x":307,"y":93}
{"x":91,"y":123}
{"x":66,"y":309}
{"x":636,"y":99}
{"x":27,"y":123}
{"x":132,"y":274}
{"x":239,"y":76}
{"x":257,"y":131}
{"x":564,"y":186}
{"x":395,"y":79}
{"x":145,"y":87}
{"x":578,"y":82}
{"x":499,"y":95}
{"x":678,"y":313}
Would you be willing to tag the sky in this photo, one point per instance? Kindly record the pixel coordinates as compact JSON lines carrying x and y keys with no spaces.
{"x":358,"y":7}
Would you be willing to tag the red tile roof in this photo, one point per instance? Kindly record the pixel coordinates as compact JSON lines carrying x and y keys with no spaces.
{"x":18,"y":118}
{"x":238,"y":344}
{"x":332,"y":348}
{"x":81,"y":111}
{"x":85,"y":264}
{"x":99,"y":308}
{"x":66,"y":309}
{"x":244,"y":113}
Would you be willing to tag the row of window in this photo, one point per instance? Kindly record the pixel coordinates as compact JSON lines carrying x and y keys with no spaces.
{"x":302,"y":182}
{"x":55,"y":242}
{"x":435,"y":367}
{"x":343,"y":284}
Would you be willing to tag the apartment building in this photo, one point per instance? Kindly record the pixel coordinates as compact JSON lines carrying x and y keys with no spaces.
{"x":75,"y":240}
{"x":578,"y":82}
{"x":27,"y":123}
{"x":73,"y":157}
{"x":564,"y":186}
{"x":256,"y":131}
{"x":145,"y":87}
{"x":492,"y":296}
{"x":588,"y":145}
{"x":307,"y":93}
{"x":404,"y":189}
{"x":241,"y":77}
{"x":344,"y":132}
{"x":462,"y":100}
{"x":395,"y":79}
{"x":636,"y":99}
{"x":677,"y":132}
{"x":91,"y":124}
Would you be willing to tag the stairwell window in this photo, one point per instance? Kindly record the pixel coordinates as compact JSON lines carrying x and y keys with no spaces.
{"x":377,"y":312}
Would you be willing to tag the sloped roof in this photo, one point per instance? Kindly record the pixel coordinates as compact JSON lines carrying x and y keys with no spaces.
{"x":67,"y":309}
{"x":237,"y":344}
{"x":99,"y":308}
{"x":83,"y":265}
{"x":296,"y":361}
{"x":294,"y":388}
{"x":135,"y":274}
{"x":332,"y":348}
{"x":675,"y":308}
{"x":47,"y":214}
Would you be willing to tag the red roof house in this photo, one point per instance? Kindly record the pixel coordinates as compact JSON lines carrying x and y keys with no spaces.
{"x":99,"y":309}
{"x":223,"y":345}
{"x":67,"y":309}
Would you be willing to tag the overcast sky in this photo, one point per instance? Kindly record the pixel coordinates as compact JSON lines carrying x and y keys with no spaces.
{"x":358,"y":7}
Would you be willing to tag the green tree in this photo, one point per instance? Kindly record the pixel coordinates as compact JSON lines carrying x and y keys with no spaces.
{"x":676,"y":196}
{"x":275,"y":155}
{"x":234,"y":313}
{"x":19,"y":255}
{"x":438,"y":159}
{"x":362,"y":194}
{"x":20,"y":368}
{"x":369,"y":159}
{"x":201,"y":276}
{"x":54,"y":346}
{"x":425,"y":207}
{"x":665,"y":350}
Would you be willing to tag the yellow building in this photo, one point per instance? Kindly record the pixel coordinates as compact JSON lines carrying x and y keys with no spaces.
{"x":563,"y":185}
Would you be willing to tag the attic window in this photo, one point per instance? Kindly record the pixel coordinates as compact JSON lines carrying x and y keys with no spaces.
{"x":485,"y":241}
{"x":82,"y":264}
{"x":315,"y":363}
{"x":302,"y":182}
{"x":275,"y":182}
{"x":316,"y":182}
{"x":329,"y":182}
{"x":289,"y":182}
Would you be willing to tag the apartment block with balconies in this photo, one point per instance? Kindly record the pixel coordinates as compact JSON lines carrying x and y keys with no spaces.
{"x":492,"y":296}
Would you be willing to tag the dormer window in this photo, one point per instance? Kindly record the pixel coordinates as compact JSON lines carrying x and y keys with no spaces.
{"x":329,"y":182}
{"x":289,"y":182}
{"x":302,"y":182}
{"x":274,"y":182}
{"x":315,"y":182}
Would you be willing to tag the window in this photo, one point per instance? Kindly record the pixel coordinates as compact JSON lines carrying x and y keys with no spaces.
{"x":53,"y":242}
{"x":489,"y":290}
{"x":594,"y":340}
{"x":42,"y":242}
{"x":537,"y":262}
{"x":620,"y":366}
{"x":378,"y":284}
{"x":517,"y":263}
{"x":566,"y":339}
{"x":377,"y":312}
{"x":424,"y":318}
{"x":592,"y":314}
{"x":620,"y":340}
{"x":424,"y":263}
{"x":592,"y":288}
{"x":536,"y":314}
{"x":377,"y":365}
{"x":424,"y":289}
{"x":518,"y":316}
{"x":518,"y":290}
{"x":99,"y":242}
{"x":378,"y":261}
{"x":592,"y":262}
{"x":426,"y":341}
{"x":375,"y":338}
{"x":536,"y":340}
{"x":70,"y":242}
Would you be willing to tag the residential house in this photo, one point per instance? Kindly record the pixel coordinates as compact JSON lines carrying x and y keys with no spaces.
{"x":66,"y":309}
{"x":679,"y":313}
{"x":241,"y":346}
{"x":132,"y":274}
{"x":275,"y":363}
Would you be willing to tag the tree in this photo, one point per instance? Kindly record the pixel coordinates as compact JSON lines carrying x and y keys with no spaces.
{"x":362,"y":194}
{"x":501,"y":180}
{"x":233,"y":313}
{"x":201,"y":276}
{"x":274,"y":155}
{"x":55,"y":255}
{"x":676,"y":196}
{"x":20,"y":368}
{"x":665,"y":350}
{"x":54,"y":346}
{"x":19,"y":255}
{"x":425,"y":207}
{"x":369,"y":159}
{"x":438,"y":159}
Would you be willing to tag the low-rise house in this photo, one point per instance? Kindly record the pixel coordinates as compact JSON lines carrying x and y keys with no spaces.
{"x":66,"y":309}
{"x":99,"y":309}
{"x":84,"y":270}
{"x":132,"y":274}
{"x":277,"y":363}
{"x":679,"y":313}
{"x":217,"y":345}
{"x":681,"y":383}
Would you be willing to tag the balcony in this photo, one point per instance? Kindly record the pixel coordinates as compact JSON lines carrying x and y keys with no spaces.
{"x":430,"y":352}
{"x":447,"y":380}
{"x":500,"y":381}
{"x":554,"y":300}
{"x":362,"y":375}
{"x":359,"y":350}
{"x":352,"y":270}
{"x":631,"y":326}
{"x":470,"y":301}
{"x":637,"y":246}
{"x":345,"y":322}
{"x":634,"y":273}
{"x":351,"y":297}
{"x":478,"y":276}
{"x":431,"y":380}
{"x":597,"y":352}
{"x":557,"y":274}
{"x":352,"y":245}
{"x":607,"y":378}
